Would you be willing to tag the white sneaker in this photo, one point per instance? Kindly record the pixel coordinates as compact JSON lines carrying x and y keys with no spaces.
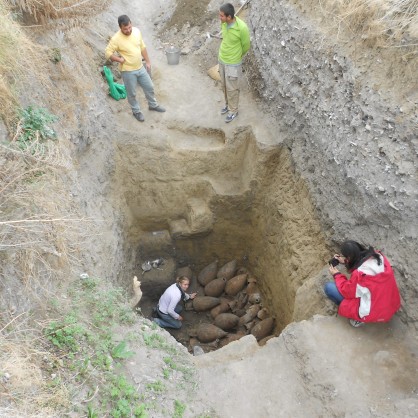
{"x":355,"y":323}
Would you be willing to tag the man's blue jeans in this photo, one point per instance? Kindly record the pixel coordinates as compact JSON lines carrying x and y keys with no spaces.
{"x":332,"y":292}
{"x":167,"y":321}
{"x":141,"y":77}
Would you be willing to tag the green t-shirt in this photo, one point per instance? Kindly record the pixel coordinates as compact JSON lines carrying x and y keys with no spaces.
{"x":235,"y":42}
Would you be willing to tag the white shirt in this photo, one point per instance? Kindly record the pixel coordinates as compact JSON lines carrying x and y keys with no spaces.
{"x":169,"y":300}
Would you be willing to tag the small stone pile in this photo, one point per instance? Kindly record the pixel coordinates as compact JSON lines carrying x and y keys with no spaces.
{"x":233,"y":299}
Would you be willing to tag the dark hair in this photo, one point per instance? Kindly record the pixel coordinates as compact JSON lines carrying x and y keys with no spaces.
{"x":228,"y":10}
{"x":356,"y":254}
{"x":123,"y":20}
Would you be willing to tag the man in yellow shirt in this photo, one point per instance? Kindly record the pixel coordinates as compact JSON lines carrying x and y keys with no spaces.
{"x":128,"y":48}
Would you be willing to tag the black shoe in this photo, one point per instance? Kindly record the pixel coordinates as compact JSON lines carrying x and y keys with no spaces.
{"x":139,"y":116}
{"x":157,"y":109}
{"x":154,"y":313}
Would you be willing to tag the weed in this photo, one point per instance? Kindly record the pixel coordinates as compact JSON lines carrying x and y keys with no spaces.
{"x":155,"y":340}
{"x":34,"y":125}
{"x":64,"y":335}
{"x":120,"y":351}
{"x":55,"y":55}
{"x":179,"y":409}
{"x":166,"y":373}
{"x":91,"y":413}
{"x":156,"y":386}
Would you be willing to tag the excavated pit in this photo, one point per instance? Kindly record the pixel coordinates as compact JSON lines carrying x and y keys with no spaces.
{"x":193,"y":195}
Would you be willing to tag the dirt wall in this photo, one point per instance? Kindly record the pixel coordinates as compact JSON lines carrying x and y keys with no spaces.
{"x":355,"y":147}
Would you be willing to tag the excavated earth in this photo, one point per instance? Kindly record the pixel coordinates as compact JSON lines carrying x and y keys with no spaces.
{"x":322,"y":151}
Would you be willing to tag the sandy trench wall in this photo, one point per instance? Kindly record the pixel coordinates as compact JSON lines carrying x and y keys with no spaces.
{"x":261,"y":212}
{"x":356,"y":150}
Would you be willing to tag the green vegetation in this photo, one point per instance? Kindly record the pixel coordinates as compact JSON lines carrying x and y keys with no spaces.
{"x":34,"y":124}
{"x":81,"y":335}
{"x":179,"y":409}
{"x":84,"y":337}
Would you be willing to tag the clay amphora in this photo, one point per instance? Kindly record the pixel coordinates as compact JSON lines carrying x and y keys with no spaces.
{"x":249,"y":315}
{"x":207,"y":333}
{"x":184,"y":271}
{"x":252,"y":287}
{"x":204,"y":303}
{"x":236,"y":284}
{"x":226,"y":321}
{"x":263,"y":328}
{"x":216,"y":287}
{"x":228,"y":270}
{"x":262,"y":313}
{"x":265,"y":339}
{"x":221,"y":308}
{"x":242,"y":270}
{"x":208,"y":273}
{"x":231,"y":337}
{"x":254,"y":298}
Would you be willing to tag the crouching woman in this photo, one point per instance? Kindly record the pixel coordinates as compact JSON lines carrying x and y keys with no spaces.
{"x":169,"y":305}
{"x":371,"y":293}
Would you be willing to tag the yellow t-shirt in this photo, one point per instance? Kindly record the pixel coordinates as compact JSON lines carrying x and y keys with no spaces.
{"x":129,"y":47}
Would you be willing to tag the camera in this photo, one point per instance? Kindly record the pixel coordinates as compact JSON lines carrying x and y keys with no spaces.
{"x":333,"y":262}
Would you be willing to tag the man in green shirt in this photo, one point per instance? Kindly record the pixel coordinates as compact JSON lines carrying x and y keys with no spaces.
{"x":235,"y":44}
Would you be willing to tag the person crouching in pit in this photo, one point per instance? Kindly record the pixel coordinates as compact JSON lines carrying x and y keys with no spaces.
{"x":169,"y":306}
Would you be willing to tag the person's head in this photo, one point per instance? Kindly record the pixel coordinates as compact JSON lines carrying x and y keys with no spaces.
{"x":125,"y":25}
{"x":183,"y":282}
{"x":226,"y":13}
{"x":355,"y":254}
{"x":352,"y":251}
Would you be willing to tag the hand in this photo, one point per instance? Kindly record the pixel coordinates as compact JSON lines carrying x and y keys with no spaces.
{"x":340,"y":258}
{"x":333,"y":270}
{"x":148,"y":66}
{"x":180,"y":318}
{"x":193,"y":295}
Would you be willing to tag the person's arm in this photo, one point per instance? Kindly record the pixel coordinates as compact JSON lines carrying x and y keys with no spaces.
{"x":347,"y":287}
{"x":111,"y":52}
{"x":174,"y":300}
{"x":144,"y":53}
{"x":245,"y":40}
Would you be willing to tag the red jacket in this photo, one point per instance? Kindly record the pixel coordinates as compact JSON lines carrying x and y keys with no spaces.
{"x":371,"y":294}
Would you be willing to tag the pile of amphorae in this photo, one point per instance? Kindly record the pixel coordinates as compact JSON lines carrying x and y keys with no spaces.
{"x":232,"y":297}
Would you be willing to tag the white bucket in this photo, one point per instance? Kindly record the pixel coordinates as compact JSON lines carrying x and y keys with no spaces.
{"x":173,"y":55}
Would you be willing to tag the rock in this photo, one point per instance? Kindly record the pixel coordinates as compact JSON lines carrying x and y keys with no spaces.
{"x":236,"y":284}
{"x":208,"y":273}
{"x":204,"y":303}
{"x":198,"y":350}
{"x":207,"y":333}
{"x":226,"y":321}
{"x":228,"y":270}
{"x":136,"y":284}
{"x":215,"y":287}
{"x":263,"y":328}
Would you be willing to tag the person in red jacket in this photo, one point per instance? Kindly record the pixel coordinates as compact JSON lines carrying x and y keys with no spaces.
{"x":371,"y":293}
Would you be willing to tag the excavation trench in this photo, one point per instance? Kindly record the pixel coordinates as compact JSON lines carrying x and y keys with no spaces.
{"x":193,"y":195}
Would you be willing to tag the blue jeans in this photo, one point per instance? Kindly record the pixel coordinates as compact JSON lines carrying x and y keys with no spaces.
{"x":141,"y":77}
{"x":167,"y":321}
{"x":332,"y":292}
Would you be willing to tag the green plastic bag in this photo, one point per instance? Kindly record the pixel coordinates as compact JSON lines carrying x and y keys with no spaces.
{"x":117,"y":91}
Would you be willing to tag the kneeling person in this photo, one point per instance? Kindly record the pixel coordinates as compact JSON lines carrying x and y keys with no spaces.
{"x":169,"y":306}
